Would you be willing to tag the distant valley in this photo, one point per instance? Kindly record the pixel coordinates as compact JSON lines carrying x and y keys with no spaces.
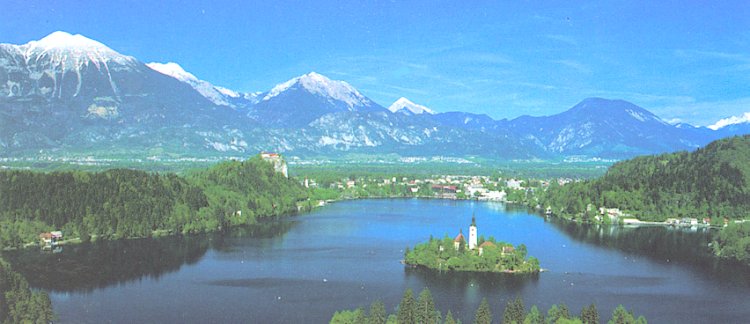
{"x":67,"y":95}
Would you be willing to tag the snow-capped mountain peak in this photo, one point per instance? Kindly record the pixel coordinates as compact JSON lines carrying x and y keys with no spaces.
{"x":172,"y":69}
{"x":218,"y":95}
{"x":322,"y":86}
{"x":73,"y":50}
{"x":745,"y":118}
{"x":61,"y":39}
{"x":405,"y":106}
{"x":228,"y":92}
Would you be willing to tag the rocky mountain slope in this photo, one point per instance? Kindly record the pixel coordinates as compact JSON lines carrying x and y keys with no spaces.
{"x":67,"y":94}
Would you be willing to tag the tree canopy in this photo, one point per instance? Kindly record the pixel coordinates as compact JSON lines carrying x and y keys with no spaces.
{"x":122,"y":203}
{"x":713,"y":181}
{"x":440,"y":254}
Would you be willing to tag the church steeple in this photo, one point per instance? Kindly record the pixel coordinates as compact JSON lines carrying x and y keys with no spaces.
{"x":473,"y":232}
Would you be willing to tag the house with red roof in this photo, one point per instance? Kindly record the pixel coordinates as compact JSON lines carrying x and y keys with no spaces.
{"x":458,"y":240}
{"x":485,"y":245}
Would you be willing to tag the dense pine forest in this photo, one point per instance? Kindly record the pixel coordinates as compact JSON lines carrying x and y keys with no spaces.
{"x":713,"y":181}
{"x":18,"y":303}
{"x":125,"y":203}
{"x":423,"y":310}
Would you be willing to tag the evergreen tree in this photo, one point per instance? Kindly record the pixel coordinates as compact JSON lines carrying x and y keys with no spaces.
{"x":449,"y":318}
{"x":534,"y":316}
{"x":514,"y":312}
{"x":589,"y":315}
{"x":407,"y":309}
{"x":426,"y":312}
{"x":556,"y":313}
{"x":377,"y":313}
{"x":483,"y":314}
{"x":622,"y":316}
{"x":361,"y":316}
{"x":18,"y":304}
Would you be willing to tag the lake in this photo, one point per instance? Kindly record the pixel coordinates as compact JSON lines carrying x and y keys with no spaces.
{"x":346,"y":255}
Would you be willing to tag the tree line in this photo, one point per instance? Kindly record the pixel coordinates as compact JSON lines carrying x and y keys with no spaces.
{"x":733,"y":242}
{"x":711,"y":182}
{"x":18,"y":303}
{"x":122,"y":203}
{"x":422,"y":310}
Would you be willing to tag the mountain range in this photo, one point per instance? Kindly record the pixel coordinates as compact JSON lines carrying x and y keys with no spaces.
{"x":69,"y":95}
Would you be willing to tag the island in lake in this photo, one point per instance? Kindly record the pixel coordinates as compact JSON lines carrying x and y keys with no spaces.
{"x":476,"y":255}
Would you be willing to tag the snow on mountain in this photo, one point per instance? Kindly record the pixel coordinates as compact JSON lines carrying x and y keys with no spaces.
{"x":206,"y":89}
{"x":68,"y":51}
{"x":218,"y":95}
{"x":61,"y":39}
{"x":228,"y":92}
{"x":61,"y":65}
{"x":253,"y":97}
{"x":745,"y":118}
{"x":406,"y":107}
{"x":322,"y":86}
{"x":174,"y":70}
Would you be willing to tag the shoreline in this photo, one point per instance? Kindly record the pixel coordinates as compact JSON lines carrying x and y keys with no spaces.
{"x":514,"y":272}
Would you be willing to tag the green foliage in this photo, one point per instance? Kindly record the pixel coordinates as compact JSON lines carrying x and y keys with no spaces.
{"x":557,"y":313}
{"x":712,"y":181}
{"x":377,"y":313}
{"x":514,"y":312}
{"x":426,"y":312}
{"x":589,"y":315}
{"x":534,"y":316}
{"x":449,"y":318}
{"x":18,"y":304}
{"x":622,"y":316}
{"x":406,"y":309}
{"x":440,"y":254}
{"x":423,"y":311}
{"x":734,"y":242}
{"x":120,"y":203}
{"x":347,"y":317}
{"x":483,"y":314}
{"x":124,"y":203}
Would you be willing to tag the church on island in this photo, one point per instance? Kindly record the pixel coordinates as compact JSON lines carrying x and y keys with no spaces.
{"x":460,"y":239}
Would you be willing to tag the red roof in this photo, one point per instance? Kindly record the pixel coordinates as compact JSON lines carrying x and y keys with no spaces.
{"x":442,"y":187}
{"x":486,"y":244}
{"x":459,"y":237}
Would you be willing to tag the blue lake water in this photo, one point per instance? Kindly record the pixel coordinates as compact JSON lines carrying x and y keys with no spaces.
{"x":346,"y":255}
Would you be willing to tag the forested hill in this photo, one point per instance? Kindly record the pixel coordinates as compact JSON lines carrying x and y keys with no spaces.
{"x":713,"y":181}
{"x":124,"y":203}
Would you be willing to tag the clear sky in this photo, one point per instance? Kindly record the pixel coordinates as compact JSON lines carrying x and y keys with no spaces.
{"x":680,"y":59}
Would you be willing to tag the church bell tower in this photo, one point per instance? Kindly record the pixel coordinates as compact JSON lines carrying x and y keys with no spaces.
{"x":473,"y":233}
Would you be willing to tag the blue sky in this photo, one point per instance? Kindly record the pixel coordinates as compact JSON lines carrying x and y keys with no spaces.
{"x":680,"y":59}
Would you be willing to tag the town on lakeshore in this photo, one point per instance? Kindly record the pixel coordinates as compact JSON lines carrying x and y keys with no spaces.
{"x":497,"y":188}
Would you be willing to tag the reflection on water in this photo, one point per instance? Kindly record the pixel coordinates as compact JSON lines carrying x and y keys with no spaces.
{"x":662,"y":244}
{"x":88,"y":266}
{"x":474,"y":285}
